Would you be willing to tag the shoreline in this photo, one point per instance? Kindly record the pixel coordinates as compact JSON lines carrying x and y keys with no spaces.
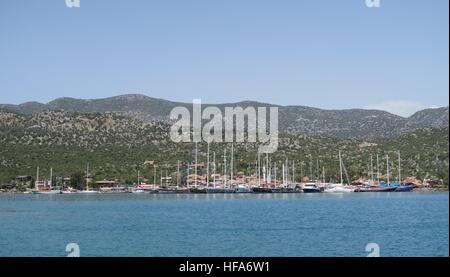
{"x":162,"y":193}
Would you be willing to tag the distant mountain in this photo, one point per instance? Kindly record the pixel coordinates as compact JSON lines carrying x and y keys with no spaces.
{"x":25,"y":108}
{"x":351,"y":123}
{"x":133,"y":105}
{"x":436,"y":118}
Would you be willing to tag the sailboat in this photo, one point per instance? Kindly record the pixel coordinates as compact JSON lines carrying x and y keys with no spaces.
{"x":259,"y":188}
{"x":178,"y":188}
{"x":239,"y":188}
{"x":339,"y":188}
{"x":196,"y":188}
{"x":213,"y":189}
{"x":284,"y":185}
{"x":226,"y":185}
{"x":138,"y":188}
{"x":45,"y":187}
{"x":381,"y":187}
{"x":87,"y":191}
{"x":402,"y":187}
{"x":166,"y":189}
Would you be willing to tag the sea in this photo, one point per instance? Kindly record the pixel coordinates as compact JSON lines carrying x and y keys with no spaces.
{"x":411,"y":224}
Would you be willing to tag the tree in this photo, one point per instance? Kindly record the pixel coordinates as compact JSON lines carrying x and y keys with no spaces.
{"x":77,"y":180}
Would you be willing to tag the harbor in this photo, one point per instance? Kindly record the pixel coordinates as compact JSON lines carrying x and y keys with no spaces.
{"x":267,"y":176}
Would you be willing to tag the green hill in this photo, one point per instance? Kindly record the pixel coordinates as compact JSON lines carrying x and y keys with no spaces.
{"x":117,"y":146}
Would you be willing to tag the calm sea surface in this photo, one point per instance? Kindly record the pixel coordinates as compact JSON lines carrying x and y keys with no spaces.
{"x":402,"y":224}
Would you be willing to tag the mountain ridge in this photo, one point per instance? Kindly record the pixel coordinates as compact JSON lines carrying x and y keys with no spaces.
{"x":293,"y":119}
{"x":134,"y":96}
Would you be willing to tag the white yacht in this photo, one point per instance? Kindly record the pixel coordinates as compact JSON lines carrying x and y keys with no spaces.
{"x":242,"y":189}
{"x":341,"y":187}
{"x":312,"y":188}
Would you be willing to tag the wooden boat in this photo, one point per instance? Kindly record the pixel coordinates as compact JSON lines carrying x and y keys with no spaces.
{"x":197,"y":190}
{"x":404,"y":188}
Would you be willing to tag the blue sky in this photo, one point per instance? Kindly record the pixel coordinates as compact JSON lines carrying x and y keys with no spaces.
{"x":323,"y":53}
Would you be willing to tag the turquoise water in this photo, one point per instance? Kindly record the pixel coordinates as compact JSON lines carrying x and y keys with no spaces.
{"x":402,"y":224}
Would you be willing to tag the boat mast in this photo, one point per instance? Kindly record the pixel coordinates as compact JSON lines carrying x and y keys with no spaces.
{"x":371,"y":168}
{"x":399,"y":169}
{"x":225,"y":166}
{"x":51,"y":177}
{"x":154,"y":175}
{"x":387,"y":169}
{"x":378,"y":170}
{"x":345,"y":172}
{"x":232,"y":164}
{"x":87,"y":177}
{"x":188,"y":171}
{"x":214,"y":164}
{"x":37,"y":178}
{"x":323,"y":174}
{"x":207,"y":165}
{"x":293,"y":171}
{"x":267,"y":168}
{"x":340,"y":167}
{"x":259,"y":169}
{"x":310,"y":167}
{"x":178,"y":174}
{"x":138,"y":180}
{"x":317,"y":170}
{"x":256,"y":168}
{"x":195,"y":166}
{"x":167,"y":177}
{"x":275,"y":173}
{"x":301,"y":171}
{"x":287,"y":170}
{"x":264,"y":174}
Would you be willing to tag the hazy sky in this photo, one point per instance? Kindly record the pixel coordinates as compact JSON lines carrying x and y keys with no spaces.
{"x":322,"y":53}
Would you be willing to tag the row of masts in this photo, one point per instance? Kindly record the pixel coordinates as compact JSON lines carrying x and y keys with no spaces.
{"x":388,"y":177}
{"x":263,"y":170}
{"x":266,"y":169}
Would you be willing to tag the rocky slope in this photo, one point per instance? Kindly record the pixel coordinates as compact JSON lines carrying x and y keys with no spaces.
{"x":352,"y":123}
